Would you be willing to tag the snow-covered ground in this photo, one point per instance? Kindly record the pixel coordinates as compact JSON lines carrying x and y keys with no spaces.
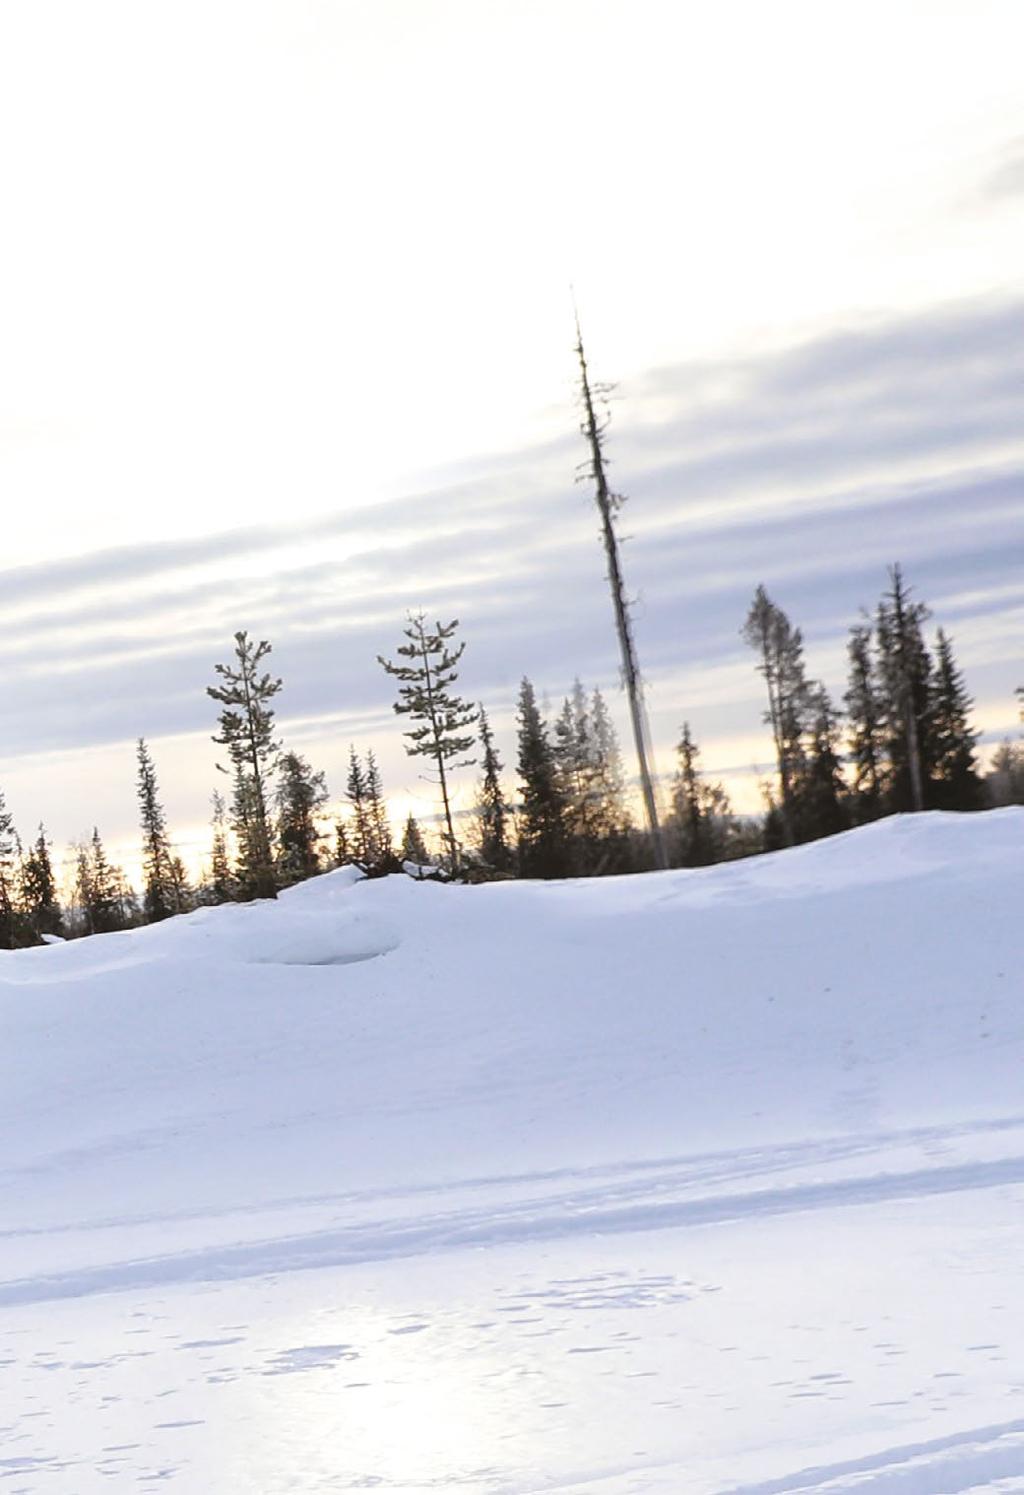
{"x":693,"y":1182}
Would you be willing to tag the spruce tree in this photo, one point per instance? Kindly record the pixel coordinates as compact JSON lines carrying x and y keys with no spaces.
{"x":382,"y":847}
{"x":543,"y":835}
{"x":82,"y":886}
{"x":611,"y":819}
{"x":361,"y":843}
{"x":692,"y":832}
{"x":105,"y":889}
{"x":574,"y":755}
{"x":301,"y":795}
{"x":772,"y":832}
{"x":128,"y":913}
{"x":570,"y":776}
{"x":39,"y":898}
{"x":342,"y":851}
{"x":222,"y":885}
{"x":821,"y":797}
{"x":958,"y":784}
{"x":414,"y":848}
{"x":866,"y":716}
{"x":425,"y":695}
{"x":700,"y":811}
{"x":160,"y":897}
{"x":183,"y":899}
{"x":8,"y":874}
{"x":779,"y":647}
{"x":1004,"y":783}
{"x":590,"y":777}
{"x":103,"y":898}
{"x":247,"y":731}
{"x":492,"y":813}
{"x":904,"y":674}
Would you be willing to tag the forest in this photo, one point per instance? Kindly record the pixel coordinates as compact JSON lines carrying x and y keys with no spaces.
{"x":901,"y":740}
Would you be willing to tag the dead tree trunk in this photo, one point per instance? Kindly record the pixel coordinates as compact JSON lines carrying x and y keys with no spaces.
{"x":606,"y":505}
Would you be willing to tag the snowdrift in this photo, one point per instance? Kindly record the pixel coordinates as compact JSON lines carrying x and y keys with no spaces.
{"x":368,"y":1073}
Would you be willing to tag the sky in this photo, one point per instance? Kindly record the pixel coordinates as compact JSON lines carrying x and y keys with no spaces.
{"x":286,"y":316}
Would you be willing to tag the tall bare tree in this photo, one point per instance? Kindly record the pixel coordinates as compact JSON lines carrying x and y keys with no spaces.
{"x":608,"y":505}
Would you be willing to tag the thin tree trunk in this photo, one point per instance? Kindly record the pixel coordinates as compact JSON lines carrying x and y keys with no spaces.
{"x":265,"y":886}
{"x":630,"y":669}
{"x":775,"y":716}
{"x":438,"y":755}
{"x":909,"y":712}
{"x":913,"y":751}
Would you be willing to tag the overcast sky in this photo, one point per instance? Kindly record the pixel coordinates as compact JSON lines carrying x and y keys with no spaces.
{"x":287,"y":346}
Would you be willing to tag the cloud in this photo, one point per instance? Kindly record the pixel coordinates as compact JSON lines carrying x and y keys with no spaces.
{"x":1006,"y":179}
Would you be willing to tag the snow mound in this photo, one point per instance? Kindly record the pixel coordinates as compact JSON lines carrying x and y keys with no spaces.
{"x":662,"y":1120}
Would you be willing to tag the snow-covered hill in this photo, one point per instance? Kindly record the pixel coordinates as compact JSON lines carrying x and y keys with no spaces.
{"x":695,"y":1182}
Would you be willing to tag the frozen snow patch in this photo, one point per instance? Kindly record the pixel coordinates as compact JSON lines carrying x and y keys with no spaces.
{"x":310,"y":1357}
{"x":319,"y":938}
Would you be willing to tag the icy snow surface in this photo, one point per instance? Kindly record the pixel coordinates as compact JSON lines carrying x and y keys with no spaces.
{"x":694,"y":1182}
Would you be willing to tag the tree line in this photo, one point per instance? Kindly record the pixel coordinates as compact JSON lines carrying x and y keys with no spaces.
{"x":901,"y":741}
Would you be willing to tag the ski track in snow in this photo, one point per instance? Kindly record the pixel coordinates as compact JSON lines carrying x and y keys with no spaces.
{"x":956,"y":1463}
{"x":627,"y":1200}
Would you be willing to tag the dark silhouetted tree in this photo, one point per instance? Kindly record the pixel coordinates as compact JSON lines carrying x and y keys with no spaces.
{"x":382,"y":857}
{"x":160,"y":896}
{"x":958,"y":784}
{"x":492,"y":812}
{"x":301,"y":795}
{"x":8,"y":879}
{"x":820,"y":794}
{"x":104,"y":900}
{"x":865,"y":713}
{"x":701,"y":812}
{"x":39,"y":899}
{"x":904,"y":677}
{"x":343,"y":853}
{"x":779,"y":647}
{"x":543,"y":846}
{"x":183,"y":898}
{"x":360,"y":843}
{"x":414,"y":847}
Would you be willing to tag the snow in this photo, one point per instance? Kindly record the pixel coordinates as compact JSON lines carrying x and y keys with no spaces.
{"x":699,"y":1181}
